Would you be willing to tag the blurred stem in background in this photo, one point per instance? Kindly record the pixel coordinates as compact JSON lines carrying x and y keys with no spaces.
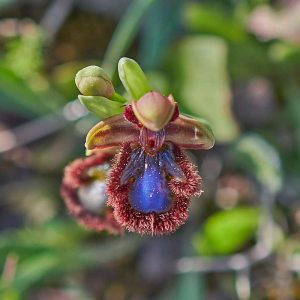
{"x":124,"y":34}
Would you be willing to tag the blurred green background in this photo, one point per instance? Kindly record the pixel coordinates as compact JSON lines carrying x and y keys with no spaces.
{"x":235,"y":63}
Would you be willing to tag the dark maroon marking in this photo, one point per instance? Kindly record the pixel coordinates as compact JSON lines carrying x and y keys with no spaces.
{"x":130,"y":116}
{"x":175,"y":114}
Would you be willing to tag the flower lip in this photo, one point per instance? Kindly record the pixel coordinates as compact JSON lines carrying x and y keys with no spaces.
{"x":153,"y":110}
{"x":77,"y":179}
{"x":184,"y":183}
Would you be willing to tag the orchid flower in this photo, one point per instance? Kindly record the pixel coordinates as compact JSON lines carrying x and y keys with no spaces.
{"x":83,"y":190}
{"x":151,"y":180}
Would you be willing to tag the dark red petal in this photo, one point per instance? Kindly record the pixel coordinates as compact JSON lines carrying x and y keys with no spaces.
{"x":130,"y":116}
{"x":74,"y":177}
{"x":111,"y":132}
{"x":190,"y":133}
{"x":75,"y":172}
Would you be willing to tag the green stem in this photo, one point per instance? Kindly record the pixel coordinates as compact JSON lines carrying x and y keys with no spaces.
{"x":124,"y":34}
{"x":118,"y":98}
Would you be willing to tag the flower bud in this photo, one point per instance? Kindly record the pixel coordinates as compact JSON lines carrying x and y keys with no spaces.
{"x":153,"y":110}
{"x":93,"y":81}
{"x":133,"y":78}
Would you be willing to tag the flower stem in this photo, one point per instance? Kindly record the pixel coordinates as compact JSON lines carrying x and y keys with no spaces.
{"x":124,"y":34}
{"x":119,"y":98}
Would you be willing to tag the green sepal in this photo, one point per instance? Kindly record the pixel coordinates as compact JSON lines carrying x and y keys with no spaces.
{"x":133,"y":78}
{"x":101,"y":106}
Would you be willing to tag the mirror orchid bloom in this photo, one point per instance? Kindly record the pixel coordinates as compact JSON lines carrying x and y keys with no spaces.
{"x":151,"y":180}
{"x":83,"y":190}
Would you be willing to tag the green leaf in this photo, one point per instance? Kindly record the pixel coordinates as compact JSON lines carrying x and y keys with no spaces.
{"x":201,"y":79}
{"x":190,"y":286}
{"x":24,"y":54}
{"x":36,"y":267}
{"x":16,"y":96}
{"x":133,"y":78}
{"x":48,"y":252}
{"x":208,"y":19}
{"x":101,"y":106}
{"x":260,"y":158}
{"x":227,"y":231}
{"x":54,"y":235}
{"x":160,"y":29}
{"x":10,"y":294}
{"x":3,"y":3}
{"x":125,"y":34}
{"x":159,"y":81}
{"x":63,"y":77}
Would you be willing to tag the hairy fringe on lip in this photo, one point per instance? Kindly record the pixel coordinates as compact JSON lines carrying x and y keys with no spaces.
{"x":75,"y":177}
{"x":152,"y":223}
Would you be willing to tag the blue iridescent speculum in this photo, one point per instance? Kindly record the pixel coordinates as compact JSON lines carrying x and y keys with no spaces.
{"x":150,"y":191}
{"x":151,"y":181}
{"x":149,"y":172}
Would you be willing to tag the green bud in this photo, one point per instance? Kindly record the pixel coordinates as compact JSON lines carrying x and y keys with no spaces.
{"x":93,"y":81}
{"x":133,"y":78}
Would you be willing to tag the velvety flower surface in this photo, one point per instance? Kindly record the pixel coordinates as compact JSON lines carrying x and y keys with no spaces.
{"x":84,"y":192}
{"x":151,"y":181}
{"x":152,"y":199}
